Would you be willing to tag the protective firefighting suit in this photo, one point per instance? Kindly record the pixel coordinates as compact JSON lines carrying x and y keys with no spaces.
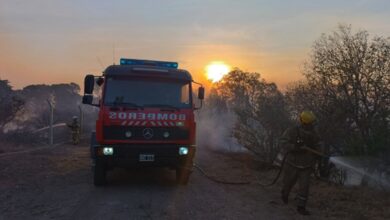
{"x":75,"y":128}
{"x":299,"y":162}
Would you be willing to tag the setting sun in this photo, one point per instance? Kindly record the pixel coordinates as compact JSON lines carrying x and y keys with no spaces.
{"x":216,"y":70}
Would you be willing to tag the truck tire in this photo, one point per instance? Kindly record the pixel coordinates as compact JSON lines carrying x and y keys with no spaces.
{"x":99,"y":173}
{"x":183,"y":176}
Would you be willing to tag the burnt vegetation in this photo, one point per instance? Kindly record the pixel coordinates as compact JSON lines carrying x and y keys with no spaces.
{"x":25,"y":111}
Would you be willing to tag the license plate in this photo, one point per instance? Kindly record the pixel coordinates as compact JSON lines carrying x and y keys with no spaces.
{"x":146,"y":157}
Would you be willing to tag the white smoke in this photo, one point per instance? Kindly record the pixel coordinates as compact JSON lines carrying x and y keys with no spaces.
{"x":32,"y":111}
{"x":215,"y":130}
{"x":19,"y":122}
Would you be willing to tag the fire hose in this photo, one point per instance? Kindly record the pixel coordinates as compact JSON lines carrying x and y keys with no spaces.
{"x":275,"y":179}
{"x":218,"y":180}
{"x":277,"y":175}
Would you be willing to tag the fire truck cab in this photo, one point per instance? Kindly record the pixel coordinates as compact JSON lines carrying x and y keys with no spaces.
{"x":146,"y":117}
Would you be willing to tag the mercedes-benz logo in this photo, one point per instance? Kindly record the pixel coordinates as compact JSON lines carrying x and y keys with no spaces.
{"x":148,"y":133}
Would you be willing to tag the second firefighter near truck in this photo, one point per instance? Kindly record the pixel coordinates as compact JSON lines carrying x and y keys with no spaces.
{"x":75,"y":130}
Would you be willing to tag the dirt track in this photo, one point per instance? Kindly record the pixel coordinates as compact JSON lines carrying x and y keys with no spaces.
{"x":56,"y":183}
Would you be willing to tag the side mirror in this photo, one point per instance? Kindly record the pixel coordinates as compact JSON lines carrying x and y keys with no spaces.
{"x":89,"y":82}
{"x":87,"y":99}
{"x":100,"y":81}
{"x":201,"y":93}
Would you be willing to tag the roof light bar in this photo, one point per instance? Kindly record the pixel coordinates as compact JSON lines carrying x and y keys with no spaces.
{"x":124,"y":61}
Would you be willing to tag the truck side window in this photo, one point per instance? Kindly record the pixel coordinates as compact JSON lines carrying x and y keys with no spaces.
{"x":185,"y":94}
{"x":97,"y":93}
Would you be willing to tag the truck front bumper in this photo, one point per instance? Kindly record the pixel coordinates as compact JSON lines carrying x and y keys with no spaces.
{"x":174,"y":156}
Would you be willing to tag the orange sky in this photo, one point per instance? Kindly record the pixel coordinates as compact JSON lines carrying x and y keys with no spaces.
{"x":26,"y":64}
{"x":60,"y":41}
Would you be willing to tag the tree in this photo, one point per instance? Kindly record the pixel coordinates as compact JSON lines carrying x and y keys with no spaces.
{"x":10,"y":103}
{"x":260,"y":109}
{"x":66,"y":97}
{"x":348,"y":84}
{"x":332,"y":126}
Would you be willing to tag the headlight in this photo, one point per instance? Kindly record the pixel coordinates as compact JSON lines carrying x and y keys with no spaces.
{"x":183,"y":151}
{"x":108,"y":151}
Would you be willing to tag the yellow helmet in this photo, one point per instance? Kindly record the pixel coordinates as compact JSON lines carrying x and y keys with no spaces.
{"x":307,"y":117}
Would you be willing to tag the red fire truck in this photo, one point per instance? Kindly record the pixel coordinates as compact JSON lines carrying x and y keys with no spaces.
{"x":146,"y":117}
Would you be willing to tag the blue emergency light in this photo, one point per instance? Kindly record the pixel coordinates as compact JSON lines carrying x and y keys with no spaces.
{"x":124,"y":61}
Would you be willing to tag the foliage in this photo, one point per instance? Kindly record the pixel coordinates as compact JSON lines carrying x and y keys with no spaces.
{"x":260,"y":109}
{"x":348,"y":87}
{"x":66,"y":100}
{"x":35,"y":115}
{"x":10,"y":103}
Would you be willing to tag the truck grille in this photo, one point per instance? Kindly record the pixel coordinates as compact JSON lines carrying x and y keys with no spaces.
{"x":138,"y":133}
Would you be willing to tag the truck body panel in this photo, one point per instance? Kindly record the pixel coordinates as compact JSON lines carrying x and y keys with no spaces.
{"x":146,"y":118}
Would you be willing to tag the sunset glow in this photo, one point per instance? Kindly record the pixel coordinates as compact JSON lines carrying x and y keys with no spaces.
{"x":216,"y":70}
{"x":44,"y":43}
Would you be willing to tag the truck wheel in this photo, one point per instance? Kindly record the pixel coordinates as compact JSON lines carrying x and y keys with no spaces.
{"x":182,"y":176}
{"x":99,"y":173}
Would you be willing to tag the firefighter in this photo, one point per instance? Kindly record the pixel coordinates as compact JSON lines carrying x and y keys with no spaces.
{"x":300,"y":162}
{"x":75,"y":127}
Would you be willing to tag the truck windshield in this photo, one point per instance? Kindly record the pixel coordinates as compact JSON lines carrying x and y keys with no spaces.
{"x":147,"y":93}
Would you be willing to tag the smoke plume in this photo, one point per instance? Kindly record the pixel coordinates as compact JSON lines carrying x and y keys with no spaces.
{"x":215,"y":130}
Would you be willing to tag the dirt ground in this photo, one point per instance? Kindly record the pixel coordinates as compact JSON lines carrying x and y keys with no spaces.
{"x":56,"y":183}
